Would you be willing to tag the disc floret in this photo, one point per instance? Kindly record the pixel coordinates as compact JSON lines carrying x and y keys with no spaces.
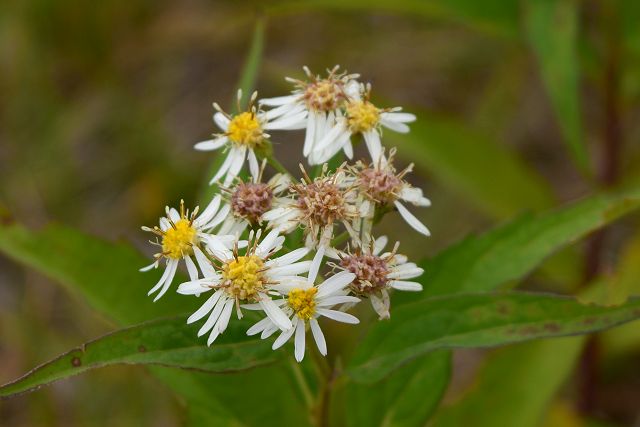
{"x":303,"y":302}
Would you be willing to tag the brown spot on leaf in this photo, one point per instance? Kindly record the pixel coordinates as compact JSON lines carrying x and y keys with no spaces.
{"x":503,"y":309}
{"x":75,"y":362}
{"x":142,"y":349}
{"x":551,"y":327}
{"x":528,"y":330}
{"x":589,"y":321}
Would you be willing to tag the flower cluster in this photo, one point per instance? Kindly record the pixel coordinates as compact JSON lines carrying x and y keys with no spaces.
{"x":259,"y":245}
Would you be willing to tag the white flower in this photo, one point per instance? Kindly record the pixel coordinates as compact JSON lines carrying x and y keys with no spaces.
{"x":237,"y":279}
{"x":361,"y":117}
{"x":247,"y":202}
{"x":180,"y":234}
{"x":380,"y":185}
{"x":244,"y":134}
{"x":304,"y":304}
{"x":317,"y":205}
{"x":377,"y":273}
{"x":320,"y":101}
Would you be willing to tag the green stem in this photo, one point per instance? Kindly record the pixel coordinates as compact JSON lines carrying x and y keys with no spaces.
{"x":277,"y":165}
{"x":302,"y":383}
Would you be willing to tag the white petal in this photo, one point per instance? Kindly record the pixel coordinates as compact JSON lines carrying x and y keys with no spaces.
{"x":195,"y":287}
{"x":288,"y":122}
{"x":259,"y":326}
{"x":278,"y":100}
{"x":402,"y":285}
{"x":174,"y":215}
{"x":269,"y":330}
{"x":275,"y":313}
{"x":288,"y":258}
{"x":412,"y":220}
{"x":381,"y":304}
{"x":208,"y":212}
{"x":222,"y":121}
{"x":253,"y":165}
{"x":318,"y":336}
{"x":239,"y":155}
{"x":299,"y":341}
{"x":224,"y":167}
{"x":379,"y":244}
{"x":337,"y":299}
{"x":191,"y":268}
{"x":154,"y":264}
{"x":214,"y":316}
{"x":204,"y":308}
{"x":335,"y":283}
{"x":211,"y":144}
{"x":405,"y":273}
{"x":338,"y":316}
{"x":205,"y":265}
{"x":289,"y":270}
{"x":309,"y":136}
{"x":268,"y":243}
{"x":284,"y":336}
{"x":315,"y":264}
{"x":223,"y":321}
{"x":372,"y":139}
{"x":399,"y":117}
{"x":414,"y":195}
{"x":172,"y":267}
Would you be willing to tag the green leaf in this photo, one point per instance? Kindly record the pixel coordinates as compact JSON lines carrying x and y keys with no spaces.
{"x":469,"y":162}
{"x":406,"y":398}
{"x":556,"y":51}
{"x":105,"y":274}
{"x":477,"y":320}
{"x":166,"y":342}
{"x":509,"y":252}
{"x":249,"y":74}
{"x":514,"y":386}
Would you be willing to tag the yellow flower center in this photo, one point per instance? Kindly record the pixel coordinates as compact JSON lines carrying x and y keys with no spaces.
{"x":303,"y":302}
{"x":245,"y":129}
{"x":177,"y":240}
{"x":243,"y":277}
{"x":362,"y":116}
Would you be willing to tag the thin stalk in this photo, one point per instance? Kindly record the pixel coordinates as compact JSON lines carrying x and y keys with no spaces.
{"x":302,"y":383}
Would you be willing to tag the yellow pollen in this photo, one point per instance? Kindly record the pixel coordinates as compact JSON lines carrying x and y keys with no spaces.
{"x":243,"y":277}
{"x":177,"y":240}
{"x":362,"y":116}
{"x":303,"y":302}
{"x":245,"y":129}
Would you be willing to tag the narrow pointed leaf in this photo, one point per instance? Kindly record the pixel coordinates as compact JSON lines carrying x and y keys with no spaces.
{"x":557,"y":56}
{"x":505,"y":254}
{"x":477,"y":320}
{"x":166,"y":342}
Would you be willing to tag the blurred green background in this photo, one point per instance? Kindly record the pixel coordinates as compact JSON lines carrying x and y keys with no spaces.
{"x":521,"y":105}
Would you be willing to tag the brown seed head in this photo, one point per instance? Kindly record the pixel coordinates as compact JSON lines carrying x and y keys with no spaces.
{"x":370,"y":270}
{"x":250,"y":200}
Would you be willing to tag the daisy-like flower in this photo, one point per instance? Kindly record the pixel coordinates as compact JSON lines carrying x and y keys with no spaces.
{"x":243,"y":135}
{"x":317,"y":205}
{"x":377,"y":273}
{"x":304,"y":303}
{"x":380,"y":185}
{"x":361,"y":117}
{"x":320,"y":100}
{"x":244,"y":279}
{"x":179,"y":235}
{"x":249,"y":201}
